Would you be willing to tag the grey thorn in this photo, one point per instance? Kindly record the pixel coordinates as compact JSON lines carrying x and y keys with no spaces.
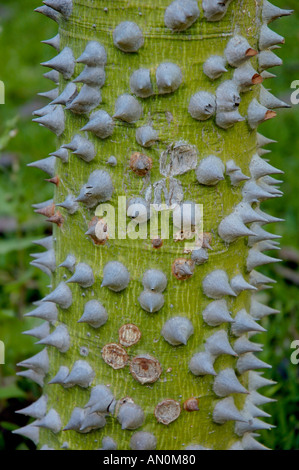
{"x":177,"y":330}
{"x":269,"y":38}
{"x":99,"y":188}
{"x":39,"y":363}
{"x":259,"y":311}
{"x":244,"y":323}
{"x":249,"y":443}
{"x":246,"y":76}
{"x":60,"y":377}
{"x":100,"y":123}
{"x":83,"y":276}
{"x":43,"y":111}
{"x":138,"y":209}
{"x":39,"y":332}
{"x":46,"y":447}
{"x":100,"y":399}
{"x":112,"y":161}
{"x":85,"y":149}
{"x":59,"y":339}
{"x":146,"y":136}
{"x":51,"y":421}
{"x":81,"y":374}
{"x":47,"y":259}
{"x":270,"y":101}
{"x":76,"y":420}
{"x":218,"y":344}
{"x":62,"y":154}
{"x":268,"y":59}
{"x":267,"y":245}
{"x":255,"y":258}
{"x":140,"y":83}
{"x":130,"y":416}
{"x":202,"y":106}
{"x":269,"y":218}
{"x":227,"y":97}
{"x":210,"y":171}
{"x":217,"y":313}
{"x":154,"y":280}
{"x":202,"y":364}
{"x":69,"y":204}
{"x":214,"y":67}
{"x":73,"y":145}
{"x":36,"y":410}
{"x":181,"y":14}
{"x":235,"y":173}
{"x":253,"y":192}
{"x":258,"y":279}
{"x":226,"y":410}
{"x":242,"y":345}
{"x":32,"y":375}
{"x":54,"y":121}
{"x":151,"y":301}
{"x":94,"y":314}
{"x":248,"y":214}
{"x":252,"y":425}
{"x":262,"y":152}
{"x":272,"y":12}
{"x":128,"y":37}
{"x":69,"y":263}
{"x":52,"y":75}
{"x":64,"y":63}
{"x":53,"y":42}
{"x":127,"y":109}
{"x":227,"y":383}
{"x":47,"y":165}
{"x":94,"y":55}
{"x":108,"y":444}
{"x":50,"y":95}
{"x":266,"y":75}
{"x":253,"y":410}
{"x":214,"y":10}
{"x":256,"y":381}
{"x":239,"y":284}
{"x":226,"y":120}
{"x":30,"y":432}
{"x":88,"y":99}
{"x":143,"y":440}
{"x":200,"y":256}
{"x":216,"y":285}
{"x":169,"y":78}
{"x":67,"y":95}
{"x":259,"y":400}
{"x":248,"y":362}
{"x":62,"y":296}
{"x":91,"y":422}
{"x":236,"y":446}
{"x":115,"y":276}
{"x":46,"y":242}
{"x":238,"y":51}
{"x":92,"y":76}
{"x":49,"y":12}
{"x":43,"y":268}
{"x":65,"y":7}
{"x":46,"y":311}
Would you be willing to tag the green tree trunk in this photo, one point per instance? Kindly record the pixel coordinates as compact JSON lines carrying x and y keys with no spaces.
{"x":209,"y":418}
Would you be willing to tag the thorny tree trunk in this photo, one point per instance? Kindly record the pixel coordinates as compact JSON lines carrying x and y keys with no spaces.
{"x":215,"y":160}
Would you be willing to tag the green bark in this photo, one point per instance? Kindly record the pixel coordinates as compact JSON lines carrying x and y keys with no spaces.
{"x":189,"y":50}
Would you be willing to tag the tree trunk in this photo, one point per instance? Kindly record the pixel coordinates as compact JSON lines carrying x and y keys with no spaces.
{"x":183,"y":383}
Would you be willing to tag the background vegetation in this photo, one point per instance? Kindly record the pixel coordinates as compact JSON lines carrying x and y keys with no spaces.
{"x":21,"y":142}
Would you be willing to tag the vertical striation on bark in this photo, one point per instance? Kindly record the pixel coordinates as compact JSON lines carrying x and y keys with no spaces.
{"x":185,"y":370}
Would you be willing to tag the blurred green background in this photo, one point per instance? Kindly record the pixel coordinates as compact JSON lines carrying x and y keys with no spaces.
{"x":21,"y":142}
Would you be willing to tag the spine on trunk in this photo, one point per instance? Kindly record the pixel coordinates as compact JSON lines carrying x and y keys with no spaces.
{"x":148,"y":344}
